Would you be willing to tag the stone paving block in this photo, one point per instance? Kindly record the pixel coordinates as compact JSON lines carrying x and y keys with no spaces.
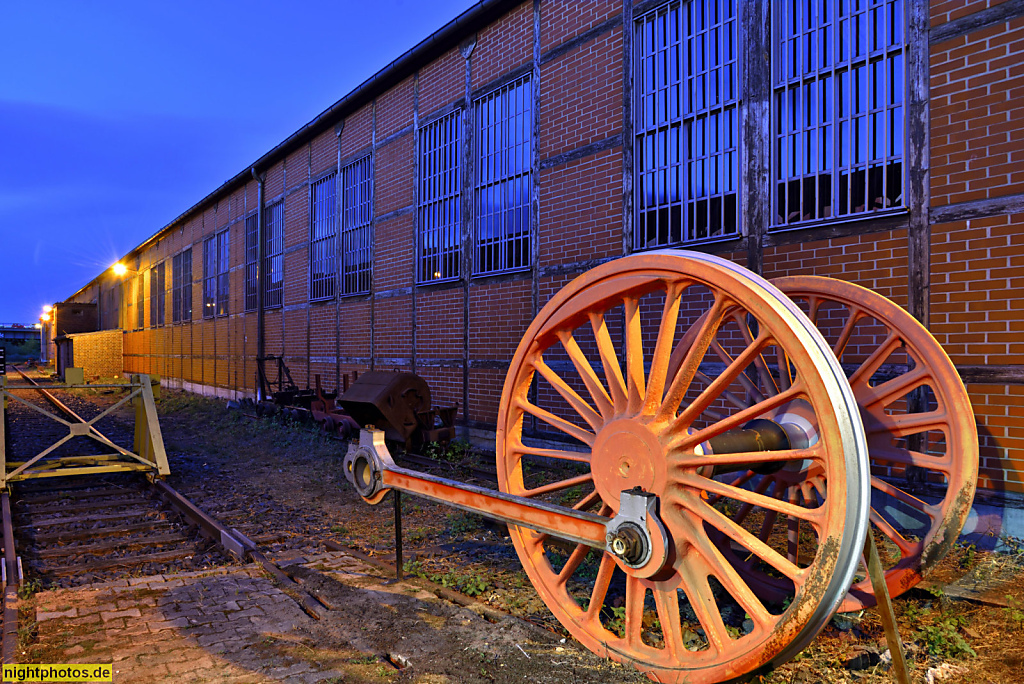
{"x":114,"y":614}
{"x":43,"y":617}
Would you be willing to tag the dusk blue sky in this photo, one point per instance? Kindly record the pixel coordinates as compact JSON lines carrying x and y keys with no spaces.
{"x":115,"y":117}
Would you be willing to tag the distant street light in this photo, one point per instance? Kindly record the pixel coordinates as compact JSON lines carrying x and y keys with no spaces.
{"x":120,"y":269}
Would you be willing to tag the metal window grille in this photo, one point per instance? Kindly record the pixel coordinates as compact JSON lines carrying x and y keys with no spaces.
{"x":273,"y":267}
{"x":686,"y":99}
{"x":209,"y":277}
{"x":140,"y":298}
{"x":251,"y":257}
{"x":157,"y":295}
{"x":224,"y":266}
{"x":356,"y":226}
{"x":504,"y":183}
{"x":186,"y":285}
{"x":176,"y":288}
{"x":322,"y":238}
{"x":838,"y":108}
{"x":440,"y":215}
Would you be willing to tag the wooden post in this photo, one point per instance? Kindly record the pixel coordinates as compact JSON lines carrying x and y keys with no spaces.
{"x":881,"y":589}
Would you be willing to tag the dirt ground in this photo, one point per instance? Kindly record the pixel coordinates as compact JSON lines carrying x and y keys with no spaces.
{"x":284,"y":484}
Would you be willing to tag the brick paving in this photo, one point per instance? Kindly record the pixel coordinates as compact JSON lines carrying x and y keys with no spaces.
{"x":235,"y":625}
{"x":200,"y":626}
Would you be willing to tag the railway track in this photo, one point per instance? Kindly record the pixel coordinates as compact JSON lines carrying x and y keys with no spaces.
{"x":75,"y":530}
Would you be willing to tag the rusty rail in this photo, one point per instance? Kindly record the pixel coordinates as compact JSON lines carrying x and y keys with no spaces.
{"x":8,"y":650}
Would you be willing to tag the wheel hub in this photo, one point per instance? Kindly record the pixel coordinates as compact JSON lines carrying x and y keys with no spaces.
{"x":627,"y":455}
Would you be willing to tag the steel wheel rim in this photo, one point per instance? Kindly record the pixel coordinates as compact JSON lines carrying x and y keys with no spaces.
{"x":953,"y":416}
{"x":648,"y":399}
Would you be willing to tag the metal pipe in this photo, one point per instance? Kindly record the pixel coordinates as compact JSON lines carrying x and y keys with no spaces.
{"x":261,"y":255}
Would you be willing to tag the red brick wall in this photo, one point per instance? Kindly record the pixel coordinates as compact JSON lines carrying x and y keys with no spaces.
{"x":943,"y":11}
{"x":503,"y":46}
{"x":977,"y":140}
{"x":977,"y":153}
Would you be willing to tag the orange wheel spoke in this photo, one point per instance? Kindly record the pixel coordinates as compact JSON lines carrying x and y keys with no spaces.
{"x":601,"y":584}
{"x":718,"y":385}
{"x":902,"y":496}
{"x":793,"y":532}
{"x":846,"y":333}
{"x":588,"y":501}
{"x":577,"y":402}
{"x":610,"y":362}
{"x":812,"y":515}
{"x":560,"y":423}
{"x":662,"y":349}
{"x":891,"y":390}
{"x":749,"y":386}
{"x":737,"y":587}
{"x":747,"y":507}
{"x":702,"y":601}
{"x":912,"y":458}
{"x":752,"y":458}
{"x":588,"y":375}
{"x":691,"y":362}
{"x":635,"y":373}
{"x":748,"y":541}
{"x":683,"y":441}
{"x":729,"y":396}
{"x":909,"y":423}
{"x":770,"y":386}
{"x":905,"y":546}
{"x":874,"y":361}
{"x":767,"y":525}
{"x":635,"y":594}
{"x":560,"y":485}
{"x":572,"y":564}
{"x":785,"y":379}
{"x":577,"y":456}
{"x":666,"y":602}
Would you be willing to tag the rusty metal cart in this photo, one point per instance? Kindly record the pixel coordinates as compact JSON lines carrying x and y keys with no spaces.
{"x":727,"y":445}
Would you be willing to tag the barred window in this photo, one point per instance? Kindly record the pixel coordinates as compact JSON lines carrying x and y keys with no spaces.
{"x":181,"y":287}
{"x":215,"y":275}
{"x":209,"y":277}
{"x":251,"y":257}
{"x":322,"y":238}
{"x":223,"y":273}
{"x":686,"y":99}
{"x":157,"y":295}
{"x":504,"y":183}
{"x":440,"y":215}
{"x":838,"y":108}
{"x":140,"y":299}
{"x":356,"y":226}
{"x":273,"y":251}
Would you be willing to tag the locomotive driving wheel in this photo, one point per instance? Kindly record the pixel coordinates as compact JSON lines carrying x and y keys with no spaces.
{"x":629,"y":379}
{"x":918,"y":420}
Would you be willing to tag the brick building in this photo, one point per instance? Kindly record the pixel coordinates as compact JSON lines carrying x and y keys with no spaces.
{"x":421,"y":221}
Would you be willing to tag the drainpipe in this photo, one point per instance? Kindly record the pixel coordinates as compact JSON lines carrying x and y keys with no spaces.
{"x":261,"y":255}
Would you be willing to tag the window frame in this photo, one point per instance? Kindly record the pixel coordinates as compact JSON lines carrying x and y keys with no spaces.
{"x":323,"y":217}
{"x":273,"y":253}
{"x":439,"y":203}
{"x":356,"y":233}
{"x":157,"y":295}
{"x":140,"y":301}
{"x":181,"y":286}
{"x":485,"y":181}
{"x":251,"y":258}
{"x":756,"y":138}
{"x":216,"y":278}
{"x":779,"y":222}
